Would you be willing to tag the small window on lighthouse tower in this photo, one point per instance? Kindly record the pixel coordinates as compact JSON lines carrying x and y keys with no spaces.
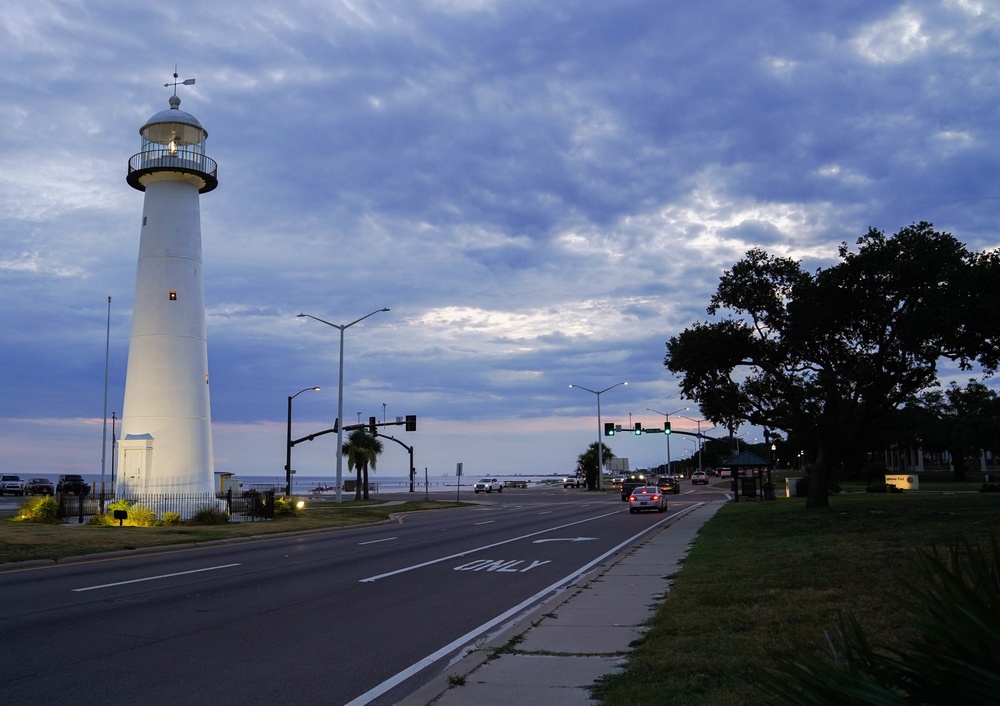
{"x":173,"y":295}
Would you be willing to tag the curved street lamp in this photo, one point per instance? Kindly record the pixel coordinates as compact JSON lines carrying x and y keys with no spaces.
{"x":600,"y":443}
{"x":288,"y":442}
{"x":340,"y":390}
{"x":666,"y":418}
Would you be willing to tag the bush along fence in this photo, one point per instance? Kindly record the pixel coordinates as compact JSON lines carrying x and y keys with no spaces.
{"x":247,"y":506}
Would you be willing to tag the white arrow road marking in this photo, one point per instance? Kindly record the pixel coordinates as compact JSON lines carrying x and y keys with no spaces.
{"x":565,"y":539}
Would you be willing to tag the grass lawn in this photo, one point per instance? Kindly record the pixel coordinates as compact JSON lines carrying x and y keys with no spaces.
{"x":764,"y":581}
{"x":23,"y":541}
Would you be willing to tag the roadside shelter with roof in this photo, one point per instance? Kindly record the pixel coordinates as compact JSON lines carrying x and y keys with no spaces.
{"x":751,"y":474}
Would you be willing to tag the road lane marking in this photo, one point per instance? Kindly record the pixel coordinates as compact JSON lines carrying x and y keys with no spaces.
{"x":372,"y":579}
{"x":531,"y":602}
{"x":153,"y":578}
{"x":507,"y":566}
{"x":486,"y":522}
{"x":564,"y":539}
{"x":376,"y":541}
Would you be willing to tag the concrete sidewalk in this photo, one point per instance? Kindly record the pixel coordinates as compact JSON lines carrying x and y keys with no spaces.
{"x":552,"y":656}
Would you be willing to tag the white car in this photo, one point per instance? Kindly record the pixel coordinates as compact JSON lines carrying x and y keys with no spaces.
{"x":699,"y":477}
{"x":10,"y":483}
{"x":647,"y":497}
{"x":488,"y":485}
{"x":572,"y":482}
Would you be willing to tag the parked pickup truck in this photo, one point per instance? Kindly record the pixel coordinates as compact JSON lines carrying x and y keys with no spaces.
{"x":488,"y":485}
{"x":11,"y":484}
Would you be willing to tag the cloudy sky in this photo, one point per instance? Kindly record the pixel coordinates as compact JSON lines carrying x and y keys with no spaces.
{"x":541,"y":192}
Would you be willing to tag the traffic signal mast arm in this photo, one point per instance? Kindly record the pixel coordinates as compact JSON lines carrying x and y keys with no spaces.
{"x":610,"y":429}
{"x":410,"y":421}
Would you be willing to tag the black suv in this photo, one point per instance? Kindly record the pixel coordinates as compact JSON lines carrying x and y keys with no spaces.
{"x":72,"y":483}
{"x":668,"y":484}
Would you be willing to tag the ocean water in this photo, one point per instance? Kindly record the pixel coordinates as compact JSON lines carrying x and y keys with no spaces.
{"x":303,"y":484}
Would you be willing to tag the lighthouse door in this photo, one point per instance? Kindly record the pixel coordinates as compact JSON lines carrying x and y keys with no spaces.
{"x":132,"y":467}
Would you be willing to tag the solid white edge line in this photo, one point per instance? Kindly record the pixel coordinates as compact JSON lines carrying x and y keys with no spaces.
{"x":402,"y":676}
{"x":153,"y":578}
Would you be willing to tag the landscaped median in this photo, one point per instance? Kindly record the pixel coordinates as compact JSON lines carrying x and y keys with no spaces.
{"x":24,"y":541}
{"x":767,"y":582}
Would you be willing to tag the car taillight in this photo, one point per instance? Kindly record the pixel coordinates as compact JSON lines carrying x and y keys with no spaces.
{"x":631,"y":498}
{"x":656,"y":497}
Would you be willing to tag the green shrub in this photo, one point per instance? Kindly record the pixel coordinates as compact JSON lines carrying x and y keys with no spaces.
{"x":138,"y":515}
{"x":208,"y":515}
{"x":955,"y":657}
{"x":39,"y":509}
{"x":170,"y":519}
{"x":285,"y":505}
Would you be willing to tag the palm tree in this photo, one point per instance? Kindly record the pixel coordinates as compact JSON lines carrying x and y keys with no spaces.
{"x":586,"y":463}
{"x":362,"y":450}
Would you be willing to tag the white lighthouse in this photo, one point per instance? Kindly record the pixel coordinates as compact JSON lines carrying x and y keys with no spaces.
{"x":166,"y":436}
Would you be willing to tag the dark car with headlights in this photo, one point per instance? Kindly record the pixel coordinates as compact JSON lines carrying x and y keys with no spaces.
{"x":668,"y":484}
{"x":630,"y":482}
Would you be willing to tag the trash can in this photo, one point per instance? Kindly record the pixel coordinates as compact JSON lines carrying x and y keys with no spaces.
{"x":792,"y":486}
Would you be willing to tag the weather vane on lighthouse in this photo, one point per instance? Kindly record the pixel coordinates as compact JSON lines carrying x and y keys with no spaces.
{"x":176,"y":83}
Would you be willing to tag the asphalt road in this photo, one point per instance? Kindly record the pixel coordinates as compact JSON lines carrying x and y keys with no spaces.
{"x":355,"y":616}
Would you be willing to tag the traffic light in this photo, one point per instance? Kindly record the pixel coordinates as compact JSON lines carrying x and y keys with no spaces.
{"x":373,"y":426}
{"x":666,"y":427}
{"x":411,"y":422}
{"x":609,"y":429}
{"x":638,"y":429}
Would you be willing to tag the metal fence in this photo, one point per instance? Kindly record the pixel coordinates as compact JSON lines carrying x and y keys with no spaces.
{"x":249,"y":506}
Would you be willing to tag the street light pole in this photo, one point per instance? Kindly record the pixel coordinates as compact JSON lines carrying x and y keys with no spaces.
{"x":104,"y":438}
{"x":600,"y":443}
{"x":288,"y":442}
{"x":340,"y":392}
{"x":698,"y":422}
{"x":666,"y":418}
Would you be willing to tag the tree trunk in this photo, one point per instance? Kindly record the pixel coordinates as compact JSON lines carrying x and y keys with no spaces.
{"x":357,"y":484}
{"x":958,"y":461}
{"x":365,"y":470}
{"x":819,"y":479}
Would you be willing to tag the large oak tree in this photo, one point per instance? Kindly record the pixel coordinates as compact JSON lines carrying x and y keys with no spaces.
{"x":828,"y":355}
